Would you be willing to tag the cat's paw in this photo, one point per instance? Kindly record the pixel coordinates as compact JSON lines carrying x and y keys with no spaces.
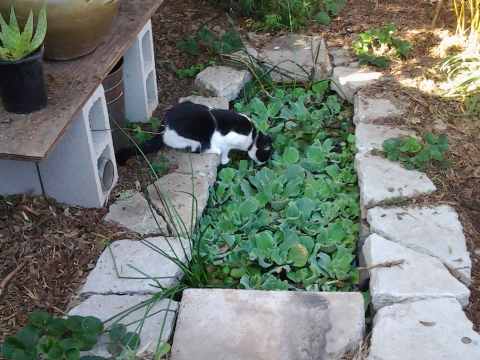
{"x":225,"y":161}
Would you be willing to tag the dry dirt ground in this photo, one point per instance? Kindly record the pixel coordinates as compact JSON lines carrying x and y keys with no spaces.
{"x":47,"y":249}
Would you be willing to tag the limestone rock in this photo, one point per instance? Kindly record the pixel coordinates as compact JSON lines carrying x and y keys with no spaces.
{"x":132,"y":211}
{"x":139,"y":264}
{"x":428,"y":330}
{"x":211,"y":102}
{"x":106,"y":306}
{"x":369,"y":137}
{"x":435,"y":231}
{"x":346,"y":81}
{"x":372,"y":110}
{"x":382,"y":180}
{"x":419,"y":277}
{"x":222,"y":81}
{"x":297,"y":58}
{"x":264,"y":325}
{"x":341,"y":57}
{"x":186,"y":197}
{"x":190,"y":163}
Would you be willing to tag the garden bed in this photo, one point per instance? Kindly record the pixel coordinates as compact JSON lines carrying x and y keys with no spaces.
{"x":293,"y":223}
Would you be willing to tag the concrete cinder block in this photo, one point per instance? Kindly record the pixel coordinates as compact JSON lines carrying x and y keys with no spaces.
{"x":139,"y":76}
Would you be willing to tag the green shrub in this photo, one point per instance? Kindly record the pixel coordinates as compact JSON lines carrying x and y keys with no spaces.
{"x":291,"y":14}
{"x":417,"y":154}
{"x":292,"y":224}
{"x":377,"y":46}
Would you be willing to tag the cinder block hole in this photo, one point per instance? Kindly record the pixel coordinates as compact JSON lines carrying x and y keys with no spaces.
{"x":147,"y":50}
{"x":97,"y":117}
{"x":151,"y":91}
{"x":106,"y":170}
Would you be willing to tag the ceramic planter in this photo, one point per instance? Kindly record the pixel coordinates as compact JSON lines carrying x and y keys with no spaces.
{"x":22,"y":84}
{"x":75,"y":27}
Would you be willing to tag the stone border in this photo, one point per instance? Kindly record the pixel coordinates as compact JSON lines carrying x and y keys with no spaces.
{"x":416,"y":256}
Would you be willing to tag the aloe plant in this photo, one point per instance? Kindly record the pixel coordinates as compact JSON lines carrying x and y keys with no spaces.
{"x":16,"y":44}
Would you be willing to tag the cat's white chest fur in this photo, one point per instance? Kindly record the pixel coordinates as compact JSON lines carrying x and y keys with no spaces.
{"x":222,"y":144}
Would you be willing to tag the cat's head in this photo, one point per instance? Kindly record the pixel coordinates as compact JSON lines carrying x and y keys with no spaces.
{"x":262,"y":149}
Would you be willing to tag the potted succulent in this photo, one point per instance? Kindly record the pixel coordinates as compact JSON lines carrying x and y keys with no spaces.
{"x":22,"y":84}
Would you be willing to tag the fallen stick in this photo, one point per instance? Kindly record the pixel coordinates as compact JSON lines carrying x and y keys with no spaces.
{"x":9,"y":277}
{"x":386,"y":264}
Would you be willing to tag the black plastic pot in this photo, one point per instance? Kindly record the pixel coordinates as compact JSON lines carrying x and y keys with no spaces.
{"x":22,"y":84}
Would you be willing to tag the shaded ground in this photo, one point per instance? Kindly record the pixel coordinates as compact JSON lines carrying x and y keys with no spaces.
{"x":58,"y":245}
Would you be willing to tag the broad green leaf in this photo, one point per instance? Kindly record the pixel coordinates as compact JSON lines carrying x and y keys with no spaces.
{"x":117,"y":332}
{"x":291,"y":155}
{"x":92,"y":325}
{"x":131,"y":340}
{"x":264,"y":240}
{"x":298,"y":255}
{"x":162,"y":350}
{"x":248,"y":207}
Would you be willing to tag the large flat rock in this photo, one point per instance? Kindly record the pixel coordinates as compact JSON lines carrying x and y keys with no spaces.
{"x":132,"y":211}
{"x":137,"y":267}
{"x":434,"y":231}
{"x":297,"y":58}
{"x":424,"y":330}
{"x":264,"y":325}
{"x":105,"y":307}
{"x":370,"y":137}
{"x":181,"y":199}
{"x":211,"y":102}
{"x":381,"y":180}
{"x":341,"y":57}
{"x":189,"y":163}
{"x":222,"y":81}
{"x":419,"y":277}
{"x":375,"y":110}
{"x":347,"y":81}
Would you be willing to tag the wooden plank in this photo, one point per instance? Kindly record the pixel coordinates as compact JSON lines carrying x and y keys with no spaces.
{"x":70,"y":84}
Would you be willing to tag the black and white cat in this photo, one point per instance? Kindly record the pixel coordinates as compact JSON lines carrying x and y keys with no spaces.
{"x":197,"y":128}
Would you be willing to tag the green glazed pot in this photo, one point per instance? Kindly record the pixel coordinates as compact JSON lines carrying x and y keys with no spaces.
{"x":75,"y":27}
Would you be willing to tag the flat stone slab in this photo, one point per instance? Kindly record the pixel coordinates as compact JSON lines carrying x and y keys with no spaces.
{"x":347,"y":81}
{"x":264,"y":325}
{"x":191,"y":163}
{"x":381,"y":180}
{"x":419,"y":277}
{"x":217,"y":102}
{"x":297,"y":58}
{"x":186,"y":196}
{"x":106,"y":306}
{"x":424,"y":330}
{"x":222,"y":81}
{"x":132,"y":211}
{"x":341,"y":57}
{"x":434,"y":231}
{"x":369,"y":137}
{"x":373,"y":110}
{"x":140,"y":265}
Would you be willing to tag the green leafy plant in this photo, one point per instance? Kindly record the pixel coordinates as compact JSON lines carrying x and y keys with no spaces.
{"x":377,"y":46}
{"x":145,"y":131}
{"x":47,"y":337}
{"x":293,"y":223}
{"x":193,"y":70}
{"x":16,"y":44}
{"x":161,"y":165}
{"x":417,"y":154}
{"x":291,"y":14}
{"x":206,"y":39}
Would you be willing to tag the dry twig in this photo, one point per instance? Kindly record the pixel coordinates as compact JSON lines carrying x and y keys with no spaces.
{"x":9,"y":277}
{"x":386,"y":264}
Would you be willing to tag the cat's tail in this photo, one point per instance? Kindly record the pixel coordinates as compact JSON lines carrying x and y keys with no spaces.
{"x":148,"y":147}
